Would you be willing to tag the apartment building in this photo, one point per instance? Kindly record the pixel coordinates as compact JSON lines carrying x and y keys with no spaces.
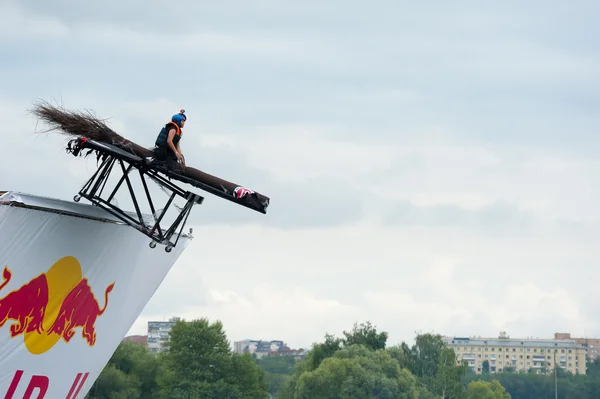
{"x":258,"y":347}
{"x":267,"y":348}
{"x":591,"y":344}
{"x":247,"y":345}
{"x":519,"y":354}
{"x":158,"y":333}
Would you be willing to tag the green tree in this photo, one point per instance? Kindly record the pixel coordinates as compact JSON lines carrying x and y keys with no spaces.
{"x":113,"y":383}
{"x":356,"y":366}
{"x":435,"y":365}
{"x":485,"y":367}
{"x":130,"y":373}
{"x":136,"y":359}
{"x":486,"y":390}
{"x":278,"y":370}
{"x":365,"y":334}
{"x":277,"y":364}
{"x":358,"y":372}
{"x":398,"y":354}
{"x":524,"y":385}
{"x":199,"y":363}
{"x":321,"y":351}
{"x":275,"y":382}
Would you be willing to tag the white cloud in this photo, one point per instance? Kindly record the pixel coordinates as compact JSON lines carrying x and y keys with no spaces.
{"x":301,"y":153}
{"x":458,"y":125}
{"x":201,"y":42}
{"x":16,"y":24}
{"x":313,"y":281}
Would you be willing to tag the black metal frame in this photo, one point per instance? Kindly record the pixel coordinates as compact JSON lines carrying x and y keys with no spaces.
{"x":93,"y":188}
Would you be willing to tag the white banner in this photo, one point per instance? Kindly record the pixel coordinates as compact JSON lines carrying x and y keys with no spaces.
{"x":70,"y":289}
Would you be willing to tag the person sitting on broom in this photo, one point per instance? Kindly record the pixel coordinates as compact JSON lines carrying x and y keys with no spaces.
{"x":167,"y":144}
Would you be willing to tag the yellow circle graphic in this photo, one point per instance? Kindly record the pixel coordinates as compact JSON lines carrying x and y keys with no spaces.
{"x":61,"y":278}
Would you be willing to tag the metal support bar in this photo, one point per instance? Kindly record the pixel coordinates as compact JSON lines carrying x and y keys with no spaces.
{"x":130,"y":187}
{"x":92,"y":191}
{"x":151,"y":204}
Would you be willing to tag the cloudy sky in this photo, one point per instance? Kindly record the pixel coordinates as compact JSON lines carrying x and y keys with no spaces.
{"x":432,"y":167}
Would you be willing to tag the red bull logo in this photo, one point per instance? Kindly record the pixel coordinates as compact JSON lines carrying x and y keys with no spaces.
{"x":51,"y":306}
{"x":240,"y":192}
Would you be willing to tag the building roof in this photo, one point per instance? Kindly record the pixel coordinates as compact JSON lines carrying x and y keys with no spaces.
{"x":139,"y":339}
{"x":525,"y":342}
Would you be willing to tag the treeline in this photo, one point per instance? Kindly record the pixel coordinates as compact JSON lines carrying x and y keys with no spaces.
{"x":360,"y":365}
{"x":199,"y":363}
{"x":529,"y":385}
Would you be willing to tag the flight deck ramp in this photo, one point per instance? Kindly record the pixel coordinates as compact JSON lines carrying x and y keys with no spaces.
{"x":73,"y":280}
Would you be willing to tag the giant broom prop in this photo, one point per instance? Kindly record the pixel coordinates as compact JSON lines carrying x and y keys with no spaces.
{"x":85,"y":125}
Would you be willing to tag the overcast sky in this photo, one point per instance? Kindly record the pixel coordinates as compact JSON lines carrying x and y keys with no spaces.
{"x":433,"y":166}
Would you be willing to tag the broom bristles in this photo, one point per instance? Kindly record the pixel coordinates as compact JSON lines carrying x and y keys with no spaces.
{"x":73,"y":123}
{"x":82,"y":124}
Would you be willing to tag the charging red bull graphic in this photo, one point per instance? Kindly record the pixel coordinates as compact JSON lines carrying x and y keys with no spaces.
{"x":79,"y":309}
{"x":51,"y":306}
{"x":26,"y":305}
